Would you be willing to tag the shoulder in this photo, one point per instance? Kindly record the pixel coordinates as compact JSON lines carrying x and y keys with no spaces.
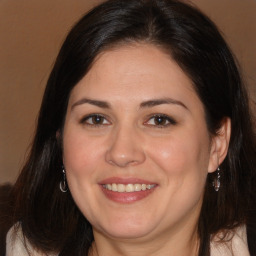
{"x":16,"y":244}
{"x":235,"y":244}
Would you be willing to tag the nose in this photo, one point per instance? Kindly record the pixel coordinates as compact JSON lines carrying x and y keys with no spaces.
{"x":126,"y":148}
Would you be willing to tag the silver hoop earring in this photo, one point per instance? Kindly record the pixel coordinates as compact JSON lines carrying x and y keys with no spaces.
{"x":63,"y":183}
{"x":216,"y":182}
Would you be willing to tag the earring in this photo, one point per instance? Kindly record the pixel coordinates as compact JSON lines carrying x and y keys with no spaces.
{"x":216,"y":182}
{"x":63,"y":183}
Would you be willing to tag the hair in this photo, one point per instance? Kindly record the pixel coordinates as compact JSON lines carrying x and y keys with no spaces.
{"x":5,"y":218}
{"x":50,"y":219}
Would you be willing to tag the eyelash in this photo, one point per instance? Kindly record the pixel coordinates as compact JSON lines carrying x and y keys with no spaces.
{"x":86,"y":118}
{"x":164,"y":118}
{"x":103,"y":119}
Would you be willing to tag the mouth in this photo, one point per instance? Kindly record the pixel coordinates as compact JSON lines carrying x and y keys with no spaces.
{"x":127,"y":190}
{"x":121,"y":188}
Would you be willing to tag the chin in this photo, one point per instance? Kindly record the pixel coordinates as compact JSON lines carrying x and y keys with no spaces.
{"x":133,"y":233}
{"x":127,"y":230}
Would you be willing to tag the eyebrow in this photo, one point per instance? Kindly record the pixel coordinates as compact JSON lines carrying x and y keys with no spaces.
{"x":145,"y":104}
{"x":156,"y":102}
{"x":98,"y":103}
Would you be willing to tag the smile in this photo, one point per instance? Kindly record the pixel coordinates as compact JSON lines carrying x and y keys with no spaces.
{"x":128,"y":187}
{"x":127,"y":190}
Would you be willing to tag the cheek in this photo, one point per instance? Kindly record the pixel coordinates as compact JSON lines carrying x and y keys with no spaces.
{"x":181,"y":156}
{"x":80,"y":154}
{"x":81,"y":158}
{"x":181,"y":162}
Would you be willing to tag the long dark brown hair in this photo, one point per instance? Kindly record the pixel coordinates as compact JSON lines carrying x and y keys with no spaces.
{"x":50,"y":220}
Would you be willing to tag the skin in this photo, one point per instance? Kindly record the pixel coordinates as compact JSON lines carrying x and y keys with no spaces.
{"x":128,"y":142}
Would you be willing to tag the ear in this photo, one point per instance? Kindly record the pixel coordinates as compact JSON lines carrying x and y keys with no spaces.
{"x":219,"y":145}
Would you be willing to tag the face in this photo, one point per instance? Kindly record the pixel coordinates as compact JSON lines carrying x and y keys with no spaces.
{"x":136,"y":146}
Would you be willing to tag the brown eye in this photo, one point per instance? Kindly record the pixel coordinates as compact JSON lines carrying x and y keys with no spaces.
{"x":95,"y":120}
{"x":160,"y":121}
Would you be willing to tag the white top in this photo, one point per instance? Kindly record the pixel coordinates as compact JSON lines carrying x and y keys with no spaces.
{"x":15,"y":245}
{"x":236,"y":245}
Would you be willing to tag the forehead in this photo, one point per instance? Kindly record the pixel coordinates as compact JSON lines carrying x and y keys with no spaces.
{"x":139,"y":71}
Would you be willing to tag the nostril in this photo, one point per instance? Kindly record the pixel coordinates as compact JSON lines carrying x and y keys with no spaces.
{"x":111,"y":162}
{"x":122,"y":163}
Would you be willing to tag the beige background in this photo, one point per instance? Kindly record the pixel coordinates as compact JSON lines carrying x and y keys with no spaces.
{"x":31,"y":32}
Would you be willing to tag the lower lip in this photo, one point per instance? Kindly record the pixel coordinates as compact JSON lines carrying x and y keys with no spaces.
{"x":126,"y":197}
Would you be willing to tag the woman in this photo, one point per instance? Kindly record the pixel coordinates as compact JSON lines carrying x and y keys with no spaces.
{"x":144,"y":143}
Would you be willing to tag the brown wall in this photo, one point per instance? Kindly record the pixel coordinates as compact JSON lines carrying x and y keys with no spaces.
{"x":31,"y":33}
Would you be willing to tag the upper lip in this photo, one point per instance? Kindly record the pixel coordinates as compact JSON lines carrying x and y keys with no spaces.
{"x":125,"y":181}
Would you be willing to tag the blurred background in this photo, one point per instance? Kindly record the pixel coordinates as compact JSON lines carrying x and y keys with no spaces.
{"x":31,"y":33}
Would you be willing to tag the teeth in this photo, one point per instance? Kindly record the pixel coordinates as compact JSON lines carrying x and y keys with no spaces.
{"x":120,"y":187}
{"x":128,"y":188}
{"x":143,"y":187}
{"x":114,"y":187}
{"x":137,"y":187}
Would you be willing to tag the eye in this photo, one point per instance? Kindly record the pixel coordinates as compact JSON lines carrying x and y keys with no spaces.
{"x":160,"y":120}
{"x":95,"y":119}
